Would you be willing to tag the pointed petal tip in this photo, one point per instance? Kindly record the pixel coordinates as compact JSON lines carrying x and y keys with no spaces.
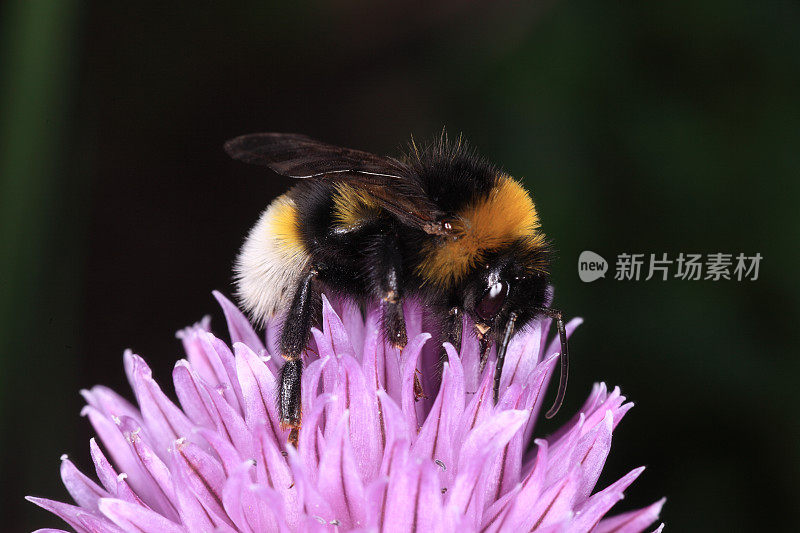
{"x":325,"y":301}
{"x":636,"y":472}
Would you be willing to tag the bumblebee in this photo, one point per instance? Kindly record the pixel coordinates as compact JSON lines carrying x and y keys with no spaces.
{"x":439,"y":224}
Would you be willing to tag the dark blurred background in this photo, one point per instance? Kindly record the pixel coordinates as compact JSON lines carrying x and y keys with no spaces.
{"x":639,"y":128}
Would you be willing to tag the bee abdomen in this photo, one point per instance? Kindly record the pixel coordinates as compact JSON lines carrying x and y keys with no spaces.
{"x":271,"y":260}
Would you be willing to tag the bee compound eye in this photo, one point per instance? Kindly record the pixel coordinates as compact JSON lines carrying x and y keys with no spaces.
{"x":492,"y":300}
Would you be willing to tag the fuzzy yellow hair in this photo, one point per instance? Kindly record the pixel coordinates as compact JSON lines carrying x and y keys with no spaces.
{"x":488,"y":223}
{"x":351,"y":206}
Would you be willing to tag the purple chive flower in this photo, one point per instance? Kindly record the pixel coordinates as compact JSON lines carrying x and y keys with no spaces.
{"x":370,"y":457}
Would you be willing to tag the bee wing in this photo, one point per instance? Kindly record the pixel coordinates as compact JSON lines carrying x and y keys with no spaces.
{"x":384,"y":178}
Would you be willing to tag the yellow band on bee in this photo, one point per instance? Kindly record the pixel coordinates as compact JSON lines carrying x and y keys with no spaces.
{"x":507,"y":214}
{"x":285,"y":226}
{"x":351,"y":206}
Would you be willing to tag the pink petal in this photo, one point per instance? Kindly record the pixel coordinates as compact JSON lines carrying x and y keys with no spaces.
{"x":436,"y":438}
{"x":354,"y":326}
{"x":110,"y":403}
{"x":195,"y":351}
{"x":315,"y":503}
{"x":258,"y":387}
{"x":393,"y":425}
{"x":590,"y":453}
{"x":220,"y":359}
{"x":561,"y":452}
{"x":632,"y":521}
{"x":83,"y":490}
{"x":522,"y":356}
{"x":131,"y":517}
{"x":310,"y":383}
{"x":273,"y":472}
{"x":308,"y":448}
{"x":240,"y":505}
{"x":503,"y":472}
{"x":121,"y":453}
{"x":373,"y":364}
{"x":479,"y":409}
{"x":252,"y":507}
{"x":203,"y":476}
{"x":339,"y":480}
{"x":230,"y":458}
{"x":334,"y":330}
{"x":511,"y":512}
{"x":465,"y":497}
{"x":362,"y":403}
{"x":124,"y":491}
{"x":193,"y":396}
{"x":115,"y":484}
{"x":194,"y":516}
{"x":105,"y":472}
{"x":81,"y":520}
{"x":163,"y":421}
{"x":411,"y":355}
{"x":553,"y":506}
{"x":489,"y":438}
{"x":593,"y":510}
{"x":239,"y":327}
{"x":230,"y":424}
{"x":376,"y":502}
{"x":161,"y":495}
{"x":414,"y":496}
{"x":534,"y":394}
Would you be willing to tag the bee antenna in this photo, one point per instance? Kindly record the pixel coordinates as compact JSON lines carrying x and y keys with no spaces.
{"x":562,"y":382}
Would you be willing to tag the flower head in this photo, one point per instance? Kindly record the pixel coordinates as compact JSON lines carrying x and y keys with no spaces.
{"x":372,"y":454}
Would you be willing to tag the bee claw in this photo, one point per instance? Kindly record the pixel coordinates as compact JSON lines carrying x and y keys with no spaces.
{"x":419,"y":392}
{"x":294,"y":435}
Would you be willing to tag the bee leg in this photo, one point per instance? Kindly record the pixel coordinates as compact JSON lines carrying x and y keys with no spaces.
{"x":394,"y":324}
{"x":501,"y":356}
{"x":484,"y":346}
{"x":386,"y":271}
{"x":294,"y":338}
{"x":451,"y":331}
{"x":419,"y":392}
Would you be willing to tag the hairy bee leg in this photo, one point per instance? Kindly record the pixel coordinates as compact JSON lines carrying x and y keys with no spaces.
{"x":384,"y":264}
{"x":386,"y":272}
{"x":501,"y":356}
{"x":394,"y":322}
{"x":289,"y":398}
{"x":294,"y":338}
{"x":452,"y":331}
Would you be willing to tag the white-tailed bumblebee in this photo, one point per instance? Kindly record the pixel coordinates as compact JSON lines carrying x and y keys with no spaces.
{"x":440,"y":224}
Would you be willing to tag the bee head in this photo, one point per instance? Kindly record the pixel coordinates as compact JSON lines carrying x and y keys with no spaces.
{"x":513,"y":281}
